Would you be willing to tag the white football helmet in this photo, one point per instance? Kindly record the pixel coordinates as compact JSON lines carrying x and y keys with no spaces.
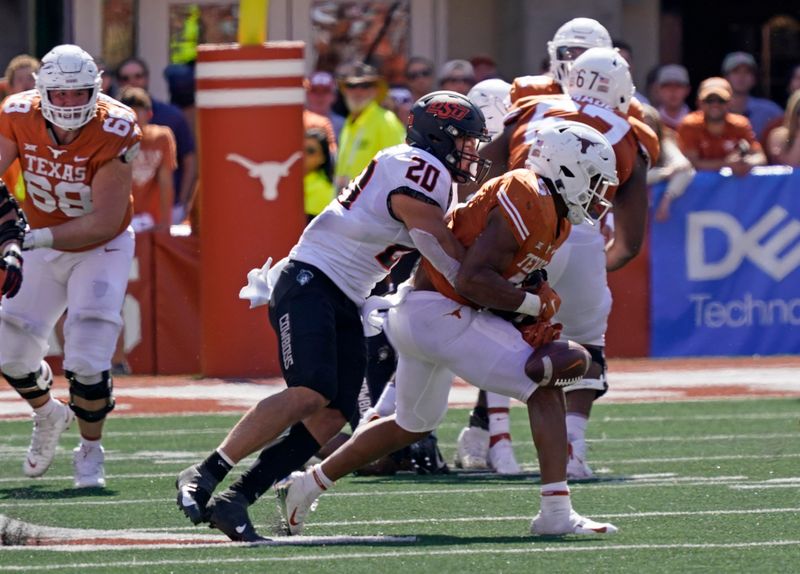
{"x":603,"y":74}
{"x":582,"y":33}
{"x":492,"y":97}
{"x":68,"y":67}
{"x":581,"y":165}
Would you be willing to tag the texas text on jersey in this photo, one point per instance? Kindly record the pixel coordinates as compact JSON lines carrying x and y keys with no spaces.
{"x":58,"y":178}
{"x":528,"y":207}
{"x":357,"y":239}
{"x":627,"y":135}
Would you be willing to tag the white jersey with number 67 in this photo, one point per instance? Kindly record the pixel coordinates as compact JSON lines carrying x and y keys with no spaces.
{"x":357,"y":239}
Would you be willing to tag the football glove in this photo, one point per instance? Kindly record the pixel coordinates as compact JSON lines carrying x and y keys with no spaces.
{"x":11,"y":267}
{"x":551,"y":302}
{"x":540,"y":333}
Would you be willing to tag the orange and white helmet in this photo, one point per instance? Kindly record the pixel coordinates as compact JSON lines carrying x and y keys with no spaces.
{"x":570,"y":41}
{"x":602,"y":74}
{"x":580,"y":164}
{"x":68,"y":67}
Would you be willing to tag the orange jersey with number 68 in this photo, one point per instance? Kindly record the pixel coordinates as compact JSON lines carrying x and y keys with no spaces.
{"x":58,"y":178}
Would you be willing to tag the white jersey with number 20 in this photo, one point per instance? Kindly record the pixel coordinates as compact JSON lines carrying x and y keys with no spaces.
{"x":356,"y":240}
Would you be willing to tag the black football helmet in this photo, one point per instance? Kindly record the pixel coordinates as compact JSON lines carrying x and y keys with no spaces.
{"x":436,"y":120}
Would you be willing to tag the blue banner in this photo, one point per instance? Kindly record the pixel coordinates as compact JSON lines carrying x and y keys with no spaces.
{"x":725,"y":268}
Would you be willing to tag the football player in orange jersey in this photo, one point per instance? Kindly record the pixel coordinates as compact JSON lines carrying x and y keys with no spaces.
{"x":571,"y":40}
{"x":75,"y":146}
{"x":600,"y":93}
{"x":486,"y":441}
{"x":510,"y":229}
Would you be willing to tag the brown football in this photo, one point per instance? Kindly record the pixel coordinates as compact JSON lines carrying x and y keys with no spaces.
{"x":560,"y":364}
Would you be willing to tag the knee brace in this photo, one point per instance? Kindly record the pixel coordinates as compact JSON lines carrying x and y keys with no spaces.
{"x":91,"y":392}
{"x":594,"y":380}
{"x":32,"y":385}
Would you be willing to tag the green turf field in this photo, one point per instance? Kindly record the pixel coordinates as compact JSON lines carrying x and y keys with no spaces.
{"x":693,"y":487}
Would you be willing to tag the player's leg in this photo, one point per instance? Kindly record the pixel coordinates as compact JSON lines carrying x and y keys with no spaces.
{"x":546,"y":412}
{"x":420,"y":408}
{"x":25,"y":324}
{"x":303,"y":314}
{"x":95,"y":293}
{"x":507,"y":373}
{"x":501,"y":451}
{"x":472,"y":445}
{"x":578,"y":275}
{"x":228,"y":510}
{"x":422,"y":390}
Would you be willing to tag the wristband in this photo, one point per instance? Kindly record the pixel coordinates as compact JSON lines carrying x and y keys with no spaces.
{"x":36,"y":238}
{"x":531,"y":305}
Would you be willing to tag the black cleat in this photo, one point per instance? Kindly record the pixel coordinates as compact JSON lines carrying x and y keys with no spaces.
{"x":228,"y":512}
{"x":194,"y":492}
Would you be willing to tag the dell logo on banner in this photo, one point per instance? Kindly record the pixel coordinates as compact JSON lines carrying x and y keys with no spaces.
{"x":771,"y":257}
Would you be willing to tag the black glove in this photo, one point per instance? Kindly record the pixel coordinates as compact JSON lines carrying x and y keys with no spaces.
{"x":11,"y":266}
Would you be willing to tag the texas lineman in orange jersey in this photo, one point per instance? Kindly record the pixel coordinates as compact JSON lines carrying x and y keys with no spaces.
{"x":75,"y":146}
{"x":510,"y":229}
{"x":578,"y":271}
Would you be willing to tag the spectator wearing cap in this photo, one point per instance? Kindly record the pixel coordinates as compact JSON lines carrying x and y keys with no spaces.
{"x":713,"y":137}
{"x":368,"y":128}
{"x":484,"y":67}
{"x":740,"y":69}
{"x":399,"y":100}
{"x":320,"y":97}
{"x":672,"y":83}
{"x":457,"y":75}
{"x":419,"y":76}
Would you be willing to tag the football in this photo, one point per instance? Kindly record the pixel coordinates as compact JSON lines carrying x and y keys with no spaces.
{"x":559,"y":364}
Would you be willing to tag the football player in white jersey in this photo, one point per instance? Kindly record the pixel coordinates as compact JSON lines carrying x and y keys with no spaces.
{"x":397,"y":204}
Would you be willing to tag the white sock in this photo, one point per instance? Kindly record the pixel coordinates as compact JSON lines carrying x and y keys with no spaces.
{"x":320,"y":477}
{"x":554,"y":497}
{"x":47,"y":408}
{"x":497,"y":407}
{"x":386,"y":403}
{"x":85,"y":442}
{"x":576,"y":426}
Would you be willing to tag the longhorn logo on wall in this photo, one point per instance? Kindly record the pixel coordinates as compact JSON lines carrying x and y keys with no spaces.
{"x":269,"y":173}
{"x":770,"y":244}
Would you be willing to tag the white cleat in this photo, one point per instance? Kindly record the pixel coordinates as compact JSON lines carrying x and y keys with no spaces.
{"x":44,"y":439}
{"x":472,"y":449}
{"x":297,"y":496}
{"x":87,"y":463}
{"x":557,"y":524}
{"x":577,"y":469}
{"x":502,"y":459}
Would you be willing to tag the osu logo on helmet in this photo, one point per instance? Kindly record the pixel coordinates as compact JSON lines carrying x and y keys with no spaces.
{"x":445,"y":110}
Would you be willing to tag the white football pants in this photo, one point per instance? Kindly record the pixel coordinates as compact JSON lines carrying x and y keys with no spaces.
{"x":436,"y":338}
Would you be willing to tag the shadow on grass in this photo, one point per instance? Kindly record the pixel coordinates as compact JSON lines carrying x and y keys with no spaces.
{"x":41,"y":492}
{"x":472,"y":477}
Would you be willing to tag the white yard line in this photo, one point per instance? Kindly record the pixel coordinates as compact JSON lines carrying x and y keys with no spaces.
{"x":621,"y":483}
{"x":402,"y":554}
